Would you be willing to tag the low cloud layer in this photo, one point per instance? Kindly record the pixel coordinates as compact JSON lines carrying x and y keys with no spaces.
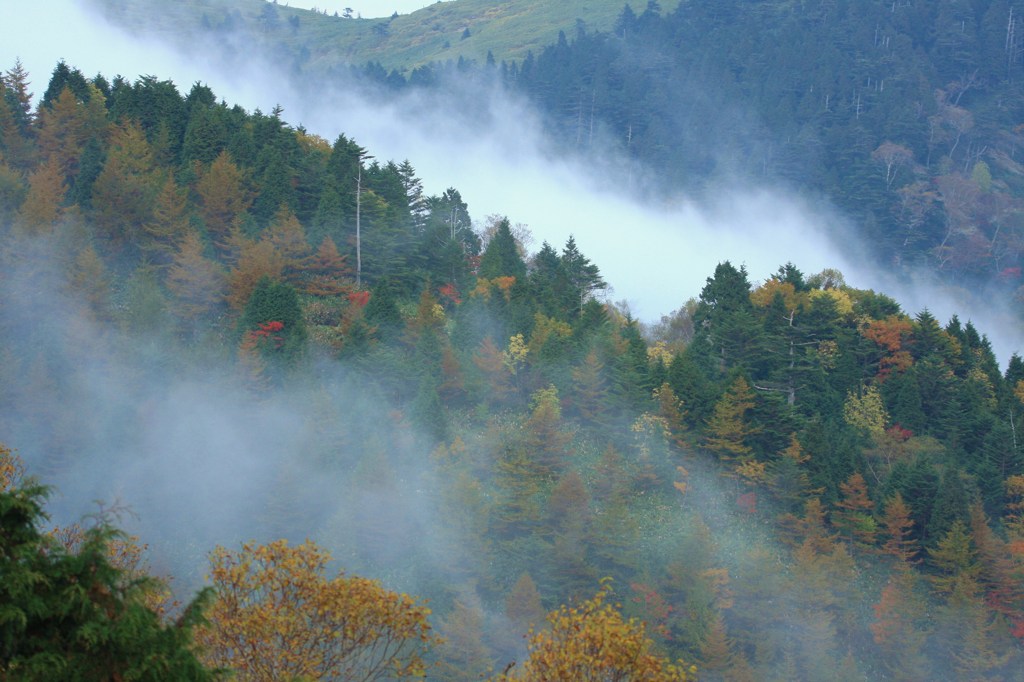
{"x":655,"y":256}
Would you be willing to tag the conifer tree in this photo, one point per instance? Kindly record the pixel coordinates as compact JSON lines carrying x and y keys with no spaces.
{"x":522,"y":604}
{"x":223,"y":198}
{"x":899,"y":542}
{"x":854,"y":517}
{"x":589,"y":389}
{"x":273,"y":317}
{"x":728,"y":429}
{"x":123,"y":194}
{"x":501,"y":257}
{"x":326,"y":272}
{"x":169,"y":223}
{"x":197,"y":283}
{"x":465,"y":656}
{"x":71,"y":614}
{"x":256,"y":261}
{"x":44,"y":202}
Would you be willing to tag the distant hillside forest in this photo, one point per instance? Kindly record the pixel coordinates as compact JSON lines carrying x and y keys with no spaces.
{"x":789,"y":480}
{"x":907,"y":115}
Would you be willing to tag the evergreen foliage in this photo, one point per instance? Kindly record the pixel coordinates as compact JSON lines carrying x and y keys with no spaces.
{"x":567,"y":444}
{"x":73,"y":615}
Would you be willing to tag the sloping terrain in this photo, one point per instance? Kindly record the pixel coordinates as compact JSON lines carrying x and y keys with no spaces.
{"x":469,"y":29}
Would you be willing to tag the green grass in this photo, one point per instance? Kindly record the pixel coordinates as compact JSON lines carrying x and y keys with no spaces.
{"x":509,"y":29}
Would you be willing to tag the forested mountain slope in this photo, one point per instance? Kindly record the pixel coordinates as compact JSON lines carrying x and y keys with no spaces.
{"x":797,"y":479}
{"x":905,"y":115}
{"x":310,"y":40}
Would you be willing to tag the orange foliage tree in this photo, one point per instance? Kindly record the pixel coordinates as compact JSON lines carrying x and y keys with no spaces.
{"x":890,"y":334}
{"x":592,"y":641}
{"x":276,"y":616}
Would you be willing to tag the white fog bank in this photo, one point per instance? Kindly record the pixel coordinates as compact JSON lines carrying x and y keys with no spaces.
{"x":655,"y":257}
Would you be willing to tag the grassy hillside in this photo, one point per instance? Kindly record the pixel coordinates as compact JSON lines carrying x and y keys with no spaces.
{"x":443,"y":31}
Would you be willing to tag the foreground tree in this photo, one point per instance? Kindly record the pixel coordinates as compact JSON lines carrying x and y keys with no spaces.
{"x":72,"y":614}
{"x":592,"y":641}
{"x":277,"y":616}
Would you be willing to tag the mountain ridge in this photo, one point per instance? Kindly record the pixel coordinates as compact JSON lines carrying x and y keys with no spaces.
{"x":453,"y":30}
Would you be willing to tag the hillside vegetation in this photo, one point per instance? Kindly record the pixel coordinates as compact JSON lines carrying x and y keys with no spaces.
{"x":444,"y":31}
{"x":788,"y":479}
{"x":904,"y":115}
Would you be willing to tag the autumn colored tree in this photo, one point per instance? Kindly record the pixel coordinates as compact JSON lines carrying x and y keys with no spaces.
{"x":465,"y":656}
{"x":569,"y":519}
{"x":69,"y":124}
{"x":592,"y":641}
{"x":670,"y":408}
{"x":44,"y":202}
{"x":197,"y":283}
{"x":89,"y":281}
{"x":897,"y":531}
{"x":898,"y":628}
{"x":522,"y":604}
{"x":277,"y":615}
{"x":956,"y":561}
{"x":489,"y":359}
{"x":326,"y":272}
{"x":168,"y":224}
{"x":545,"y":437}
{"x":854,"y":516}
{"x":810,"y":530}
{"x":124,"y":191}
{"x":589,"y":389}
{"x":728,"y":429}
{"x":223,"y":197}
{"x":787,"y":475}
{"x":288,"y":238}
{"x":256,"y":261}
{"x":891,"y":335}
{"x":12,"y":469}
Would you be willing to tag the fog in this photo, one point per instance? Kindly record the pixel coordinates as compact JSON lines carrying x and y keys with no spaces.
{"x":199,"y":462}
{"x":494,"y":152}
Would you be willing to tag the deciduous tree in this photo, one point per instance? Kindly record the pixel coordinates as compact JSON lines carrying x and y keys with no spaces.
{"x":592,"y":641}
{"x":277,"y":615}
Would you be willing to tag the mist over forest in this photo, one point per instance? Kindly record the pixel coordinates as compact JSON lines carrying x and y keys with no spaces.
{"x":768,"y":415}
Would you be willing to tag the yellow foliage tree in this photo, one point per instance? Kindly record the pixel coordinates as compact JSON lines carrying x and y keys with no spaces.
{"x":12,"y":469}
{"x":255,"y":261}
{"x":592,"y":641}
{"x":866,"y":412}
{"x":728,"y":428}
{"x":276,"y":616}
{"x":127,"y":554}
{"x":223,"y":197}
{"x":197,"y":283}
{"x":42,"y":207}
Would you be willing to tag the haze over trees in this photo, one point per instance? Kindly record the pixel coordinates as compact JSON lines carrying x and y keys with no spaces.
{"x":904,"y":115}
{"x":791,"y":478}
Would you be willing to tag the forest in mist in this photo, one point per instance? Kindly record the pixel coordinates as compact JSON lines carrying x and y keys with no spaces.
{"x":904,"y":115}
{"x":259,"y":346}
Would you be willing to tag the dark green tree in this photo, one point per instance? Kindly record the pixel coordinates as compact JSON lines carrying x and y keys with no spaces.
{"x":273,"y":320}
{"x":501,"y":257}
{"x":724,"y":322}
{"x":582,"y":277}
{"x":72,"y":615}
{"x":382,"y":311}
